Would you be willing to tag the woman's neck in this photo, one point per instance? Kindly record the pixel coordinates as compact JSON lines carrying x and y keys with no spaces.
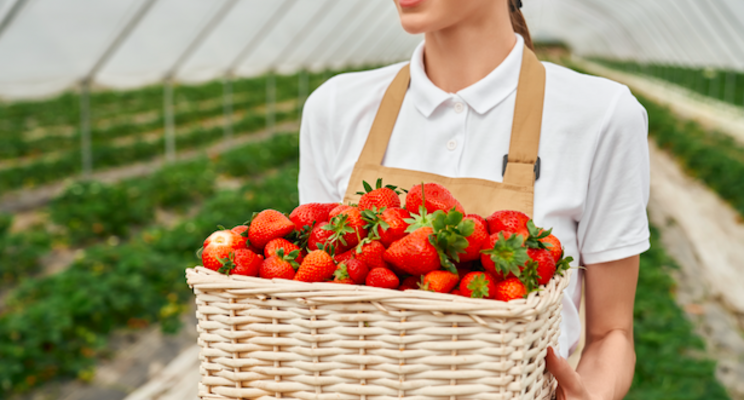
{"x":461,"y":55}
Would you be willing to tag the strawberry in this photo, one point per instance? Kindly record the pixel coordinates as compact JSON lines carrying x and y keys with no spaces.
{"x":242,"y":230}
{"x":478,"y":218}
{"x":545,"y":264}
{"x":503,"y":255}
{"x":382,"y":278}
{"x":372,"y":253}
{"x":267,"y":225}
{"x":508,"y":221}
{"x":220,"y":246}
{"x":281,"y":243}
{"x":378,"y":197}
{"x":554,"y":246}
{"x":478,"y":285}
{"x":338,"y":210}
{"x":510,"y":289}
{"x":318,"y":266}
{"x":280,"y":265}
{"x":247,"y":262}
{"x":345,"y":256}
{"x":318,"y":236}
{"x":346,"y":281}
{"x":475,"y":241}
{"x":347,"y":228}
{"x":357,"y":270}
{"x":388,"y":224}
{"x":414,"y":254}
{"x":412,"y":282}
{"x":311,"y":213}
{"x":433,"y":196}
{"x":439,"y":281}
{"x":457,"y":292}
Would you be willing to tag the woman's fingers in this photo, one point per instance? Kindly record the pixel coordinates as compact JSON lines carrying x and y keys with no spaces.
{"x":568,"y":379}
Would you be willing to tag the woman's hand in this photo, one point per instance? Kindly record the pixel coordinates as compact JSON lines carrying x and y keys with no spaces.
{"x":570,"y":385}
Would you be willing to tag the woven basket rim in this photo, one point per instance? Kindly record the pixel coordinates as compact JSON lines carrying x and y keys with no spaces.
{"x":333,"y":293}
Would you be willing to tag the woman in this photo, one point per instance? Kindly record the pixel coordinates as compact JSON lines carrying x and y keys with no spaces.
{"x":460,"y":116}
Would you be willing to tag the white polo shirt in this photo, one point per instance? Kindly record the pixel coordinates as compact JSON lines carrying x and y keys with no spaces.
{"x":594,"y":177}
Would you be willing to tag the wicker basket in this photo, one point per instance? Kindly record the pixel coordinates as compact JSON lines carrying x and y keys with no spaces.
{"x":264,"y":339}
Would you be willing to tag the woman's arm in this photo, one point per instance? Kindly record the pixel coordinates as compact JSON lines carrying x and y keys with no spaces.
{"x":608,"y":360}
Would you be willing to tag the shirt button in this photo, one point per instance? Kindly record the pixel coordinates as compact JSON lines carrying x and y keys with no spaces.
{"x":452,"y":144}
{"x":459,"y":107}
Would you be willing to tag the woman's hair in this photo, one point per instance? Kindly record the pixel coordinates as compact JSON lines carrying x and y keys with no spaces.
{"x":518,"y":22}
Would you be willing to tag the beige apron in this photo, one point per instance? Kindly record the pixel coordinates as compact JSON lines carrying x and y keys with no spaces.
{"x":478,"y":196}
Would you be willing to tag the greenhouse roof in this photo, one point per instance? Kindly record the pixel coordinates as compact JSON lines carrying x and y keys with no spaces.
{"x":47,"y":46}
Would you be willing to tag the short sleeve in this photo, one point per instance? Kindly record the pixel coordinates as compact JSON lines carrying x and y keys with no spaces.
{"x":614,"y":224}
{"x":317,"y":151}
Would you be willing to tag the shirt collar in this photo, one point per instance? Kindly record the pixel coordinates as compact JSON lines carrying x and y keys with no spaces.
{"x":480,"y":96}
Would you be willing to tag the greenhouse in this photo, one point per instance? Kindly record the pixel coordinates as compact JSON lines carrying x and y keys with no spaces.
{"x":131,"y":130}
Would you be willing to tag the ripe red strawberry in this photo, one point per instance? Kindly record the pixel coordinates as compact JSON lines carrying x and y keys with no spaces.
{"x":267,"y":225}
{"x":357,"y":270}
{"x":414,"y":254}
{"x":247,"y":262}
{"x":281,"y":243}
{"x":318,"y":237}
{"x":437,"y":197}
{"x":220,"y":246}
{"x":508,"y":221}
{"x":475,"y":241}
{"x":480,"y":219}
{"x":318,"y":266}
{"x":412,"y":282}
{"x":242,"y":230}
{"x":280,"y":265}
{"x":338,"y":210}
{"x":372,"y":253}
{"x":510,"y":289}
{"x":389,"y":224}
{"x":554,"y":246}
{"x":345,"y":256}
{"x":478,"y":285}
{"x":545,"y":264}
{"x":439,"y":281}
{"x":346,"y":281}
{"x":503,"y":255}
{"x":347,"y":228}
{"x":378,"y":197}
{"x":457,"y":292}
{"x":382,"y":278}
{"x":310,"y":214}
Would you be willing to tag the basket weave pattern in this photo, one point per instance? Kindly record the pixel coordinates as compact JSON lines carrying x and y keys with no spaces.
{"x":264,"y":339}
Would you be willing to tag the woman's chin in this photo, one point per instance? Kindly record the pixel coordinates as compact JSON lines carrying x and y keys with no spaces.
{"x":416,"y":24}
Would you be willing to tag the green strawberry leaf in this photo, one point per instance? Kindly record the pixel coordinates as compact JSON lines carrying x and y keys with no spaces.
{"x":563,"y":264}
{"x":479,"y":287}
{"x":533,"y":240}
{"x":530,"y":277}
{"x":341,"y":272}
{"x":228,"y":264}
{"x":508,"y":254}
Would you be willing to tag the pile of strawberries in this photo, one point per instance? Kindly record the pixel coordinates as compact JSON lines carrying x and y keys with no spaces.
{"x":427,"y":244}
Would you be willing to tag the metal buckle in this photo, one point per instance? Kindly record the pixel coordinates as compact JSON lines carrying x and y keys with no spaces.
{"x":506,"y":161}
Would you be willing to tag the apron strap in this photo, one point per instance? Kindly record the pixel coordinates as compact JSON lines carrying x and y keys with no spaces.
{"x":525,"y":136}
{"x":382,"y":127}
{"x":528,"y":111}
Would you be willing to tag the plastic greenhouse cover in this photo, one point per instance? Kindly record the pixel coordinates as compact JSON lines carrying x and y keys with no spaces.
{"x":47,"y":46}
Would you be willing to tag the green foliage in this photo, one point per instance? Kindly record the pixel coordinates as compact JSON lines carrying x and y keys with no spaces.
{"x":713,"y":157}
{"x":6,"y":220}
{"x":92,"y":209}
{"x":668,"y":362}
{"x":20,"y":253}
{"x":724,"y":85}
{"x":178,"y":185}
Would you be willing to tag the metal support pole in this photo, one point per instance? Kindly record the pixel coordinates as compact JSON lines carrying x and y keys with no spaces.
{"x":270,"y":101}
{"x":85,"y":148}
{"x":728,"y":96}
{"x":228,"y":106}
{"x":304,"y":84}
{"x":170,"y":134}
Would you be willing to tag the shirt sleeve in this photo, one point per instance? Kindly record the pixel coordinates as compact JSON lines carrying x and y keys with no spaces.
{"x":614,"y":224}
{"x":317,"y":151}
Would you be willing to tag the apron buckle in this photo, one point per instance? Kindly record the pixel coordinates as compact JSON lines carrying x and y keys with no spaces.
{"x":506,"y":161}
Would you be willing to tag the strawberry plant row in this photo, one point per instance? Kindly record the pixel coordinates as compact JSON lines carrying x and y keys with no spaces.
{"x":108,"y":155}
{"x":713,"y":157}
{"x":57,"y":326}
{"x":90,"y":210}
{"x":723,"y":85}
{"x":668,"y":364}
